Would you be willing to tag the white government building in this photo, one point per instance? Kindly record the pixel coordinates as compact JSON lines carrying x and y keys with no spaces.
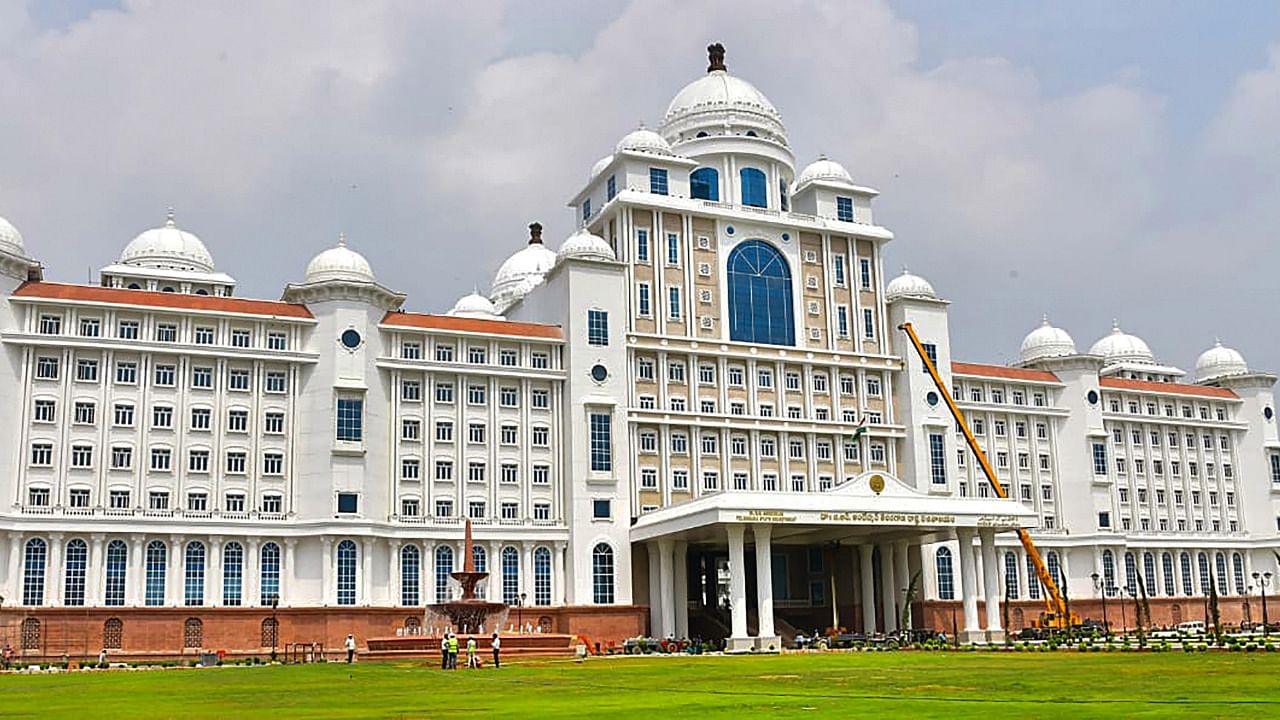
{"x":703,"y":386}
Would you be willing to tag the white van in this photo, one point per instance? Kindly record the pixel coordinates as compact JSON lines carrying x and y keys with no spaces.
{"x":1192,"y":627}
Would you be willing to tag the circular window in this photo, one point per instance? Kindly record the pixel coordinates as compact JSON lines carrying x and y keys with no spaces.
{"x":350,"y":339}
{"x":599,"y":373}
{"x":931,"y":398}
{"x":1092,"y":397}
{"x":1268,"y":413}
{"x":729,"y":229}
{"x":786,"y":237}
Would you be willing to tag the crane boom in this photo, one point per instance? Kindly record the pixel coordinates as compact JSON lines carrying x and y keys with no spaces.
{"x":1057,"y":606}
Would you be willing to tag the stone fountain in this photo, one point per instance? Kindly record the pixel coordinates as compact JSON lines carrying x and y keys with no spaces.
{"x":468,"y":614}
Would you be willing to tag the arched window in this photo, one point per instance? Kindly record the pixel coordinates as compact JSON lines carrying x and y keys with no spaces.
{"x":33,"y":572}
{"x":1237,"y":566}
{"x":193,"y":633}
{"x":73,"y":567}
{"x":1109,"y":573}
{"x":704,"y":184}
{"x":444,"y":566}
{"x":1033,"y":580}
{"x":1166,"y":562}
{"x":410,"y":575}
{"x":602,"y":574}
{"x":1222,"y":573}
{"x":194,"y":579}
{"x":760,"y":309}
{"x":1202,"y":559}
{"x":1055,"y":568}
{"x":510,"y":575}
{"x":946,"y":576}
{"x":1185,"y":561}
{"x":232,"y":573}
{"x":269,"y":574}
{"x":113,"y":634}
{"x":30,"y":631}
{"x":156,"y":562}
{"x":117,"y":573}
{"x":1131,"y":573}
{"x":346,"y":573}
{"x":541,"y":576}
{"x":481,"y":559}
{"x":755,"y":190}
{"x":1149,"y":571}
{"x":1011,"y":575}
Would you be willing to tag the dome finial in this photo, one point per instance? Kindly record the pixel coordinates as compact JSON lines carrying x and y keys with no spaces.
{"x":535,"y":233}
{"x":905,"y":271}
{"x":169,"y":219}
{"x":1044,"y":320}
{"x":342,"y":239}
{"x":1115,"y":325}
{"x":715,"y":58}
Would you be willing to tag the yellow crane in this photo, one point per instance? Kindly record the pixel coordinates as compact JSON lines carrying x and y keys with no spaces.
{"x":1056,"y":614}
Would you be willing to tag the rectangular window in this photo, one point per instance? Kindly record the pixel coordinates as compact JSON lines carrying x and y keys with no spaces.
{"x":864,"y":273}
{"x":673,"y":303}
{"x":238,"y":421}
{"x":937,"y":459}
{"x":161,"y":459}
{"x":586,"y":209}
{"x":673,"y":249}
{"x":127,"y":330}
{"x":274,"y":423}
{"x":166,"y":332}
{"x":350,"y":419}
{"x":657,"y":181}
{"x":1099,"y":458}
{"x":601,"y":509}
{"x":844,"y":209}
{"x":444,"y":392}
{"x":277,"y":341}
{"x":161,"y":417}
{"x":198,"y":461}
{"x":84,"y":413}
{"x":837,"y":267}
{"x":90,"y":327}
{"x":410,"y":390}
{"x":238,"y":380}
{"x":475,"y":394}
{"x":842,"y":321}
{"x":240,"y":338}
{"x":50,"y":325}
{"x":204,"y":336}
{"x":47,"y":368}
{"x":444,"y":353}
{"x":868,"y":324}
{"x":81,"y":456}
{"x":166,"y":375}
{"x":477,"y":355}
{"x":79,"y":498}
{"x":541,"y":475}
{"x":348,"y":503}
{"x":410,"y":507}
{"x":45,"y":411}
{"x":272,"y":504}
{"x":87,"y":370}
{"x":610,"y":188}
{"x":272,"y":463}
{"x":644,"y":303}
{"x":118,"y":499}
{"x":276,"y":382}
{"x":597,"y":328}
{"x":201,"y":418}
{"x":642,"y":244}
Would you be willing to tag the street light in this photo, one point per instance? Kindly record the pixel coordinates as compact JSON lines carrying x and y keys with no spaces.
{"x":1100,"y":586}
{"x":520,"y":612}
{"x":275,"y":624}
{"x":1262,"y":579}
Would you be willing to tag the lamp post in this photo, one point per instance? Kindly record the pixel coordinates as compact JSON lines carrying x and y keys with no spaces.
{"x":1262,"y":579}
{"x":520,"y":612}
{"x":1100,"y":586}
{"x":275,"y":624}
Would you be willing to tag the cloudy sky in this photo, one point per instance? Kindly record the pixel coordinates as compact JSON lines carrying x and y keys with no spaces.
{"x":1086,"y":159}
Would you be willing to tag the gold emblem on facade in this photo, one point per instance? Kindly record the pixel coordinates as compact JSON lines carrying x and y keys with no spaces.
{"x":877,"y":483}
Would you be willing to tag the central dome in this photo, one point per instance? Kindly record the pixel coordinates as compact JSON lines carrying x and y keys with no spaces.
{"x":718,"y":90}
{"x":168,"y":248}
{"x":339,"y":263}
{"x":11,"y":239}
{"x":722,"y":105}
{"x":1120,"y":347}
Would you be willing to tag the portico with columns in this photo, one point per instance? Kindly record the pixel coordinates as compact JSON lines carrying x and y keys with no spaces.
{"x":863,"y":542}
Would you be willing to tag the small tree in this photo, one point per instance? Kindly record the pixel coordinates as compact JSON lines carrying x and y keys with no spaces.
{"x":1142,"y":609}
{"x":1066,"y":605}
{"x":1008,"y":633}
{"x":1213,"y":607}
{"x":912,"y":587}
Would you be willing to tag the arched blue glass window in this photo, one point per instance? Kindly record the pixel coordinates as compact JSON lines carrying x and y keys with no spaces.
{"x":1222,"y":574}
{"x":194,"y":580}
{"x":157,"y":561}
{"x":117,"y":571}
{"x":602,"y":574}
{"x":541,"y":576}
{"x":1033,"y":580}
{"x":1011,"y":575}
{"x":74,"y":565}
{"x":1237,"y":566}
{"x":232,"y":573}
{"x":760,"y":308}
{"x":946,"y":576}
{"x":480,"y":558}
{"x":1185,"y":562}
{"x":1166,"y":561}
{"x":755,"y":190}
{"x":704,"y":184}
{"x":510,"y":575}
{"x":346,"y":573}
{"x":269,"y":573}
{"x":1130,"y":573}
{"x":444,"y":566}
{"x":1202,"y":560}
{"x":33,"y":572}
{"x":410,"y":572}
{"x":1149,"y":570}
{"x":1055,"y":568}
{"x":1109,"y":573}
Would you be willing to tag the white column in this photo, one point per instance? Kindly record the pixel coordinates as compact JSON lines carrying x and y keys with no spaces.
{"x":289,"y":575}
{"x":991,"y":578}
{"x":252,"y":582}
{"x":177,"y":572}
{"x":737,"y":584}
{"x":326,"y":574}
{"x":968,"y":579}
{"x":681,"y":600}
{"x":902,"y":571}
{"x":764,"y":580}
{"x":558,"y":584}
{"x":868,"y":593}
{"x":366,"y":572}
{"x":655,"y":589}
{"x":666,"y":589}
{"x":14,"y":588}
{"x":95,"y":578}
{"x":428,"y":571}
{"x":135,"y":577}
{"x":888,"y":588}
{"x":397,"y":572}
{"x":213,"y":573}
{"x":53,"y":572}
{"x":526,"y":572}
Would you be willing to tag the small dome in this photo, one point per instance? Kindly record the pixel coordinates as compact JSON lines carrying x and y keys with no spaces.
{"x":168,"y":248}
{"x":1219,"y":361}
{"x":339,"y":263}
{"x":824,"y":169}
{"x":11,"y":239}
{"x":1120,"y":347}
{"x":600,"y":165}
{"x":1046,"y":341}
{"x":583,"y":244}
{"x":908,"y":285}
{"x":475,"y":305}
{"x":523,"y":271}
{"x":643,"y":140}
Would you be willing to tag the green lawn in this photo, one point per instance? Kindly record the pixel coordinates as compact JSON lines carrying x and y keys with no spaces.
{"x":951,"y":685}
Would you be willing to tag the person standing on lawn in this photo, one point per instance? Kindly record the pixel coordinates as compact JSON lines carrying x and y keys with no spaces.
{"x":444,"y":651}
{"x":351,"y":647}
{"x":453,"y":651}
{"x":496,"y":643}
{"x":473,"y":661}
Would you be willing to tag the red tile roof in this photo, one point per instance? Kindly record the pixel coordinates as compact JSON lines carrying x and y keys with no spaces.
{"x":1001,"y":371}
{"x":1164,"y":387}
{"x":473,"y":325}
{"x":175,"y":301}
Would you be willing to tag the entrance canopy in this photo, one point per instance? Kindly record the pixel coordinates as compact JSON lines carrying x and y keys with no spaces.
{"x":873,"y":505}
